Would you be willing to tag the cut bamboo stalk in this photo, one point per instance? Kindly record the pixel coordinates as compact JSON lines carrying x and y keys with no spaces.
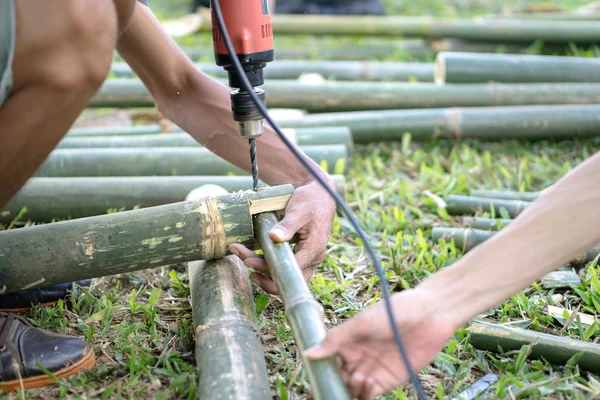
{"x":229,"y":351}
{"x":338,"y":70}
{"x":401,"y":26}
{"x":505,"y":195}
{"x":486,"y":224}
{"x":554,"y":349}
{"x":357,"y":96}
{"x":467,"y":239}
{"x":47,"y":199}
{"x":51,"y":254}
{"x":301,"y":137}
{"x":461,"y":205}
{"x":526,"y":122}
{"x":507,"y":68}
{"x":169,"y":161}
{"x":304,"y":313}
{"x":563,"y":315}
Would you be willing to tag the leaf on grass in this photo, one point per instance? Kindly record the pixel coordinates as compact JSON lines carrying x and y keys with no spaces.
{"x":154,"y":296}
{"x":261,"y":302}
{"x":96,"y":317}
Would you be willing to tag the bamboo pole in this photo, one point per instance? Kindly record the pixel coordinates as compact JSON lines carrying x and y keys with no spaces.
{"x":491,"y":30}
{"x":505,"y":195}
{"x":167,"y":161}
{"x":467,"y":239}
{"x":554,"y":349}
{"x":357,"y":96}
{"x":301,"y":137}
{"x":508,"y":68}
{"x":526,"y":122}
{"x":229,"y":351}
{"x":486,"y":224}
{"x":117,"y":131}
{"x":459,"y":205}
{"x":304,"y":313}
{"x":336,"y":70}
{"x":46,"y":199}
{"x":52,"y":254}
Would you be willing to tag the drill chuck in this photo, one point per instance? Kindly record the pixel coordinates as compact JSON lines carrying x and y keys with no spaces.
{"x":250,"y":120}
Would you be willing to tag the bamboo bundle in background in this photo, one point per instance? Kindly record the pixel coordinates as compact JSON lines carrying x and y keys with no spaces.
{"x":301,"y":137}
{"x":336,"y":70}
{"x":303,"y":312}
{"x":46,"y":199}
{"x":168,"y":161}
{"x":357,"y":96}
{"x":460,"y":205}
{"x":554,"y":349}
{"x":505,"y":195}
{"x":479,"y":68}
{"x":52,"y":254}
{"x":486,"y":224}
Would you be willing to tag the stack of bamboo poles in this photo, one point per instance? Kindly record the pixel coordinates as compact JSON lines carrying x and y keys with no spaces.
{"x":491,"y":337}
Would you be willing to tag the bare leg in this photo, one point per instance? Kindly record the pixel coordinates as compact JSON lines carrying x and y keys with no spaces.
{"x":63,"y":53}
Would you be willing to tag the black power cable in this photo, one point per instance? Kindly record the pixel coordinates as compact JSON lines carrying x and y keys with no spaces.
{"x":353,"y":220}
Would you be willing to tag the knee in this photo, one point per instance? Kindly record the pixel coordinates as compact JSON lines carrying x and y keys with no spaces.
{"x":84,"y":55}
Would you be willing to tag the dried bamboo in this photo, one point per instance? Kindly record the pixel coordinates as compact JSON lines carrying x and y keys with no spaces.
{"x":47,"y":199}
{"x":507,"y":68}
{"x":304,"y":314}
{"x":51,"y":254}
{"x":301,"y":137}
{"x":169,"y":161}
{"x":460,"y":205}
{"x":554,"y":349}
{"x":357,"y":96}
{"x":526,"y":122}
{"x":229,"y":352}
{"x":505,"y":195}
{"x":336,"y":70}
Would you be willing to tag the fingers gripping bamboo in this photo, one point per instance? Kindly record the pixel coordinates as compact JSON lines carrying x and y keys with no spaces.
{"x":304,"y":314}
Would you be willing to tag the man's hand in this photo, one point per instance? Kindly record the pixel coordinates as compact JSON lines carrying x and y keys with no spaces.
{"x":309,"y":215}
{"x":371,"y":362}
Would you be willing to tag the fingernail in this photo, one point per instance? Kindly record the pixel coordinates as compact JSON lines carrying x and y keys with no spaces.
{"x":234,"y":252}
{"x":312,"y":352}
{"x":278,"y":232}
{"x":254,"y":279}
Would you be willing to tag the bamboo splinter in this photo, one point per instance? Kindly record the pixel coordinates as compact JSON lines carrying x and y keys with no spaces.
{"x":51,"y":254}
{"x":304,"y":314}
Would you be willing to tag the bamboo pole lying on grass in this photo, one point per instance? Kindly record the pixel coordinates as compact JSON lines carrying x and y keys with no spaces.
{"x":336,"y":70}
{"x":46,"y":199}
{"x":460,"y":205}
{"x":525,"y":122}
{"x":357,"y":96}
{"x":486,"y":224}
{"x":301,"y":137}
{"x":229,"y":353}
{"x":505,"y":195}
{"x":468,"y":239}
{"x":401,"y":26}
{"x":507,"y":68}
{"x":554,"y":349}
{"x":166,"y":161}
{"x":51,"y":254}
{"x":304,"y":313}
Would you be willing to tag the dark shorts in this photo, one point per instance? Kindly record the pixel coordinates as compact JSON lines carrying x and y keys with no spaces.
{"x":7,"y":47}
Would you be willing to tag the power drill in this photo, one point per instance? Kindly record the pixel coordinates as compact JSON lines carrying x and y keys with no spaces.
{"x":251,"y":31}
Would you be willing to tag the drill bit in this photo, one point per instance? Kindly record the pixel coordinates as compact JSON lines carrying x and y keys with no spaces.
{"x":254,"y":161}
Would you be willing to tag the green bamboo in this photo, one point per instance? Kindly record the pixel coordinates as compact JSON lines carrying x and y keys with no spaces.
{"x":510,"y":68}
{"x":337,"y":70}
{"x":301,"y":137}
{"x":116,"y":130}
{"x":527,"y":122}
{"x":548,"y":16}
{"x":486,"y":224}
{"x":169,"y":161}
{"x":467,"y":239}
{"x":505,"y":194}
{"x":459,"y":205}
{"x":554,"y":349}
{"x":304,"y":313}
{"x":51,"y":254}
{"x":426,"y":27}
{"x":357,"y":96}
{"x":561,"y":279}
{"x":46,"y":199}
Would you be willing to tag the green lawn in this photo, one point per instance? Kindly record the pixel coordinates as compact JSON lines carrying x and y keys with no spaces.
{"x":140,"y":323}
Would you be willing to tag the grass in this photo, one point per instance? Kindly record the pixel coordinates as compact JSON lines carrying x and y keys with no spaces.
{"x":140,"y":323}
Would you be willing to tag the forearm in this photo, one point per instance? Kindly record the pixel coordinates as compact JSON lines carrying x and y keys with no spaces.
{"x":199,"y":104}
{"x":556,"y":228}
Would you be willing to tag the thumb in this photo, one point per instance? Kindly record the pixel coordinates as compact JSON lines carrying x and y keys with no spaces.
{"x":285,"y":230}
